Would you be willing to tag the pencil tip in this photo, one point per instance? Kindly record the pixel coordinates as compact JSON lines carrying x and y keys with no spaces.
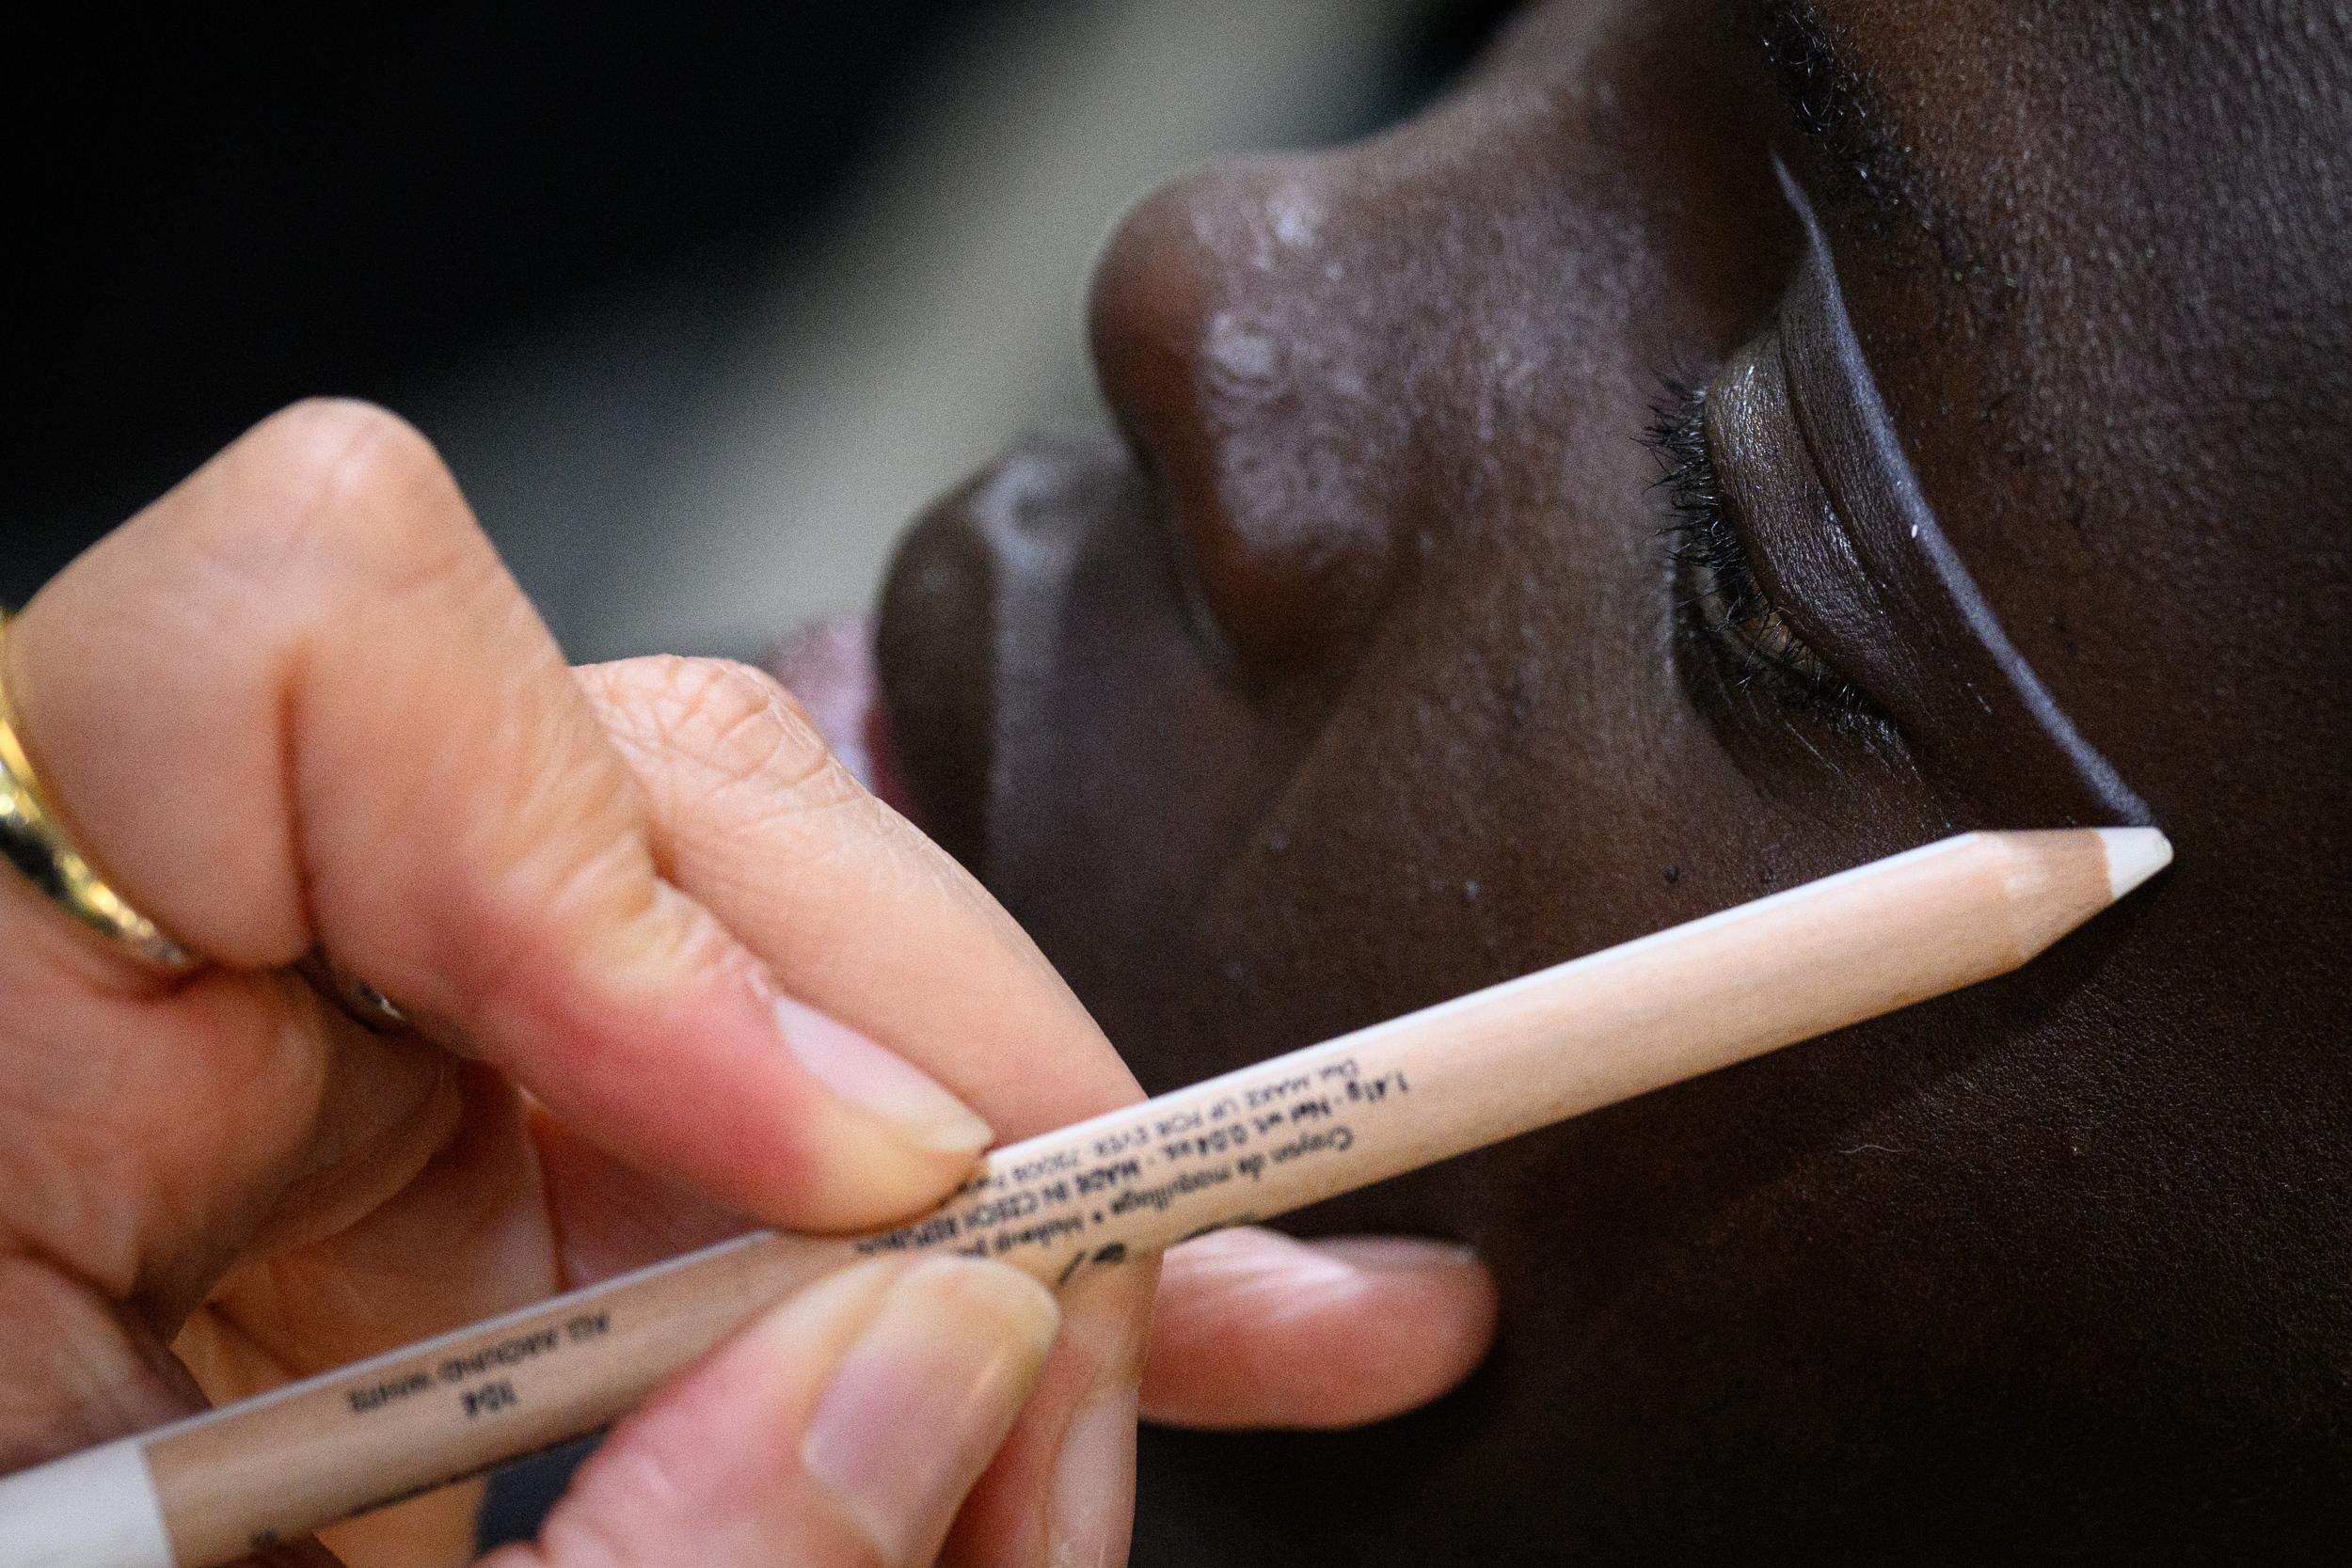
{"x":2134,"y":855}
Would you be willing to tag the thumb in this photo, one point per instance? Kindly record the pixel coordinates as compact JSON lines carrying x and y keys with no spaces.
{"x":844,"y":1427}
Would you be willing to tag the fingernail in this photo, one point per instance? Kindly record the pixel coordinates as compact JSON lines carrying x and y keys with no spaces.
{"x":880,"y":1081}
{"x":1093,"y":1507}
{"x":925,"y":1396}
{"x":1395,"y":1254}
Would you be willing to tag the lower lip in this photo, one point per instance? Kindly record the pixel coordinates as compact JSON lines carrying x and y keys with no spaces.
{"x":828,"y":664}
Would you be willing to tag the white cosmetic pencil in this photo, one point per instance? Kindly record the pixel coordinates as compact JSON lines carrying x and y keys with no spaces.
{"x":1244,"y":1146}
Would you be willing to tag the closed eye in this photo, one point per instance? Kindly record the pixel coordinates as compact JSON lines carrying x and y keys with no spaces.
{"x":1717,"y":591}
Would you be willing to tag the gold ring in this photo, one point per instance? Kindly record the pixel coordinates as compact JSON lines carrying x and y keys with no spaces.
{"x":37,"y":846}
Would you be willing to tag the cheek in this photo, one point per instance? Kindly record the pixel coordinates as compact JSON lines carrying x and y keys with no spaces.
{"x":1514,"y":775}
{"x":1510,"y":780}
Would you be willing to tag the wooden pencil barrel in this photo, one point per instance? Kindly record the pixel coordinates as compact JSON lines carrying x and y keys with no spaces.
{"x":1246,"y":1146}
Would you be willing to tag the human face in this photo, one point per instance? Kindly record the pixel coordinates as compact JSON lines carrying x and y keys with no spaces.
{"x":1372,"y":666}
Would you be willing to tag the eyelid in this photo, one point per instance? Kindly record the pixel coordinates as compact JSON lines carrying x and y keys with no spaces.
{"x":1806,"y":437}
{"x":1773,"y":499}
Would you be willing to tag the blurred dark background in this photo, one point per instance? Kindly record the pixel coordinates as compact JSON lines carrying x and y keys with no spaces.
{"x":212,"y":217}
{"x":215,"y":217}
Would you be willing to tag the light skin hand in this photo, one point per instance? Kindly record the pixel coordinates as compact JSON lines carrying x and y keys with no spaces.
{"x":671,"y":966}
{"x":841,"y":1428}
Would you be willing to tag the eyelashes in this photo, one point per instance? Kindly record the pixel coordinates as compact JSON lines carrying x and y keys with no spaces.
{"x":1716,"y":588}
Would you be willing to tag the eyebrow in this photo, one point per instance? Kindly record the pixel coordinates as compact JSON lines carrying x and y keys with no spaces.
{"x":1816,"y":81}
{"x":1829,"y":98}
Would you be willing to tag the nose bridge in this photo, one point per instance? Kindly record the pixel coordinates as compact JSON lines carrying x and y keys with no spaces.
{"x":1239,"y":341}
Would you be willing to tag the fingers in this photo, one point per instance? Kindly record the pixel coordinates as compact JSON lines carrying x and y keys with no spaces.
{"x":842,"y":1428}
{"x":869,"y":921}
{"x":143,"y":1141}
{"x":299,"y":702}
{"x":1254,"y":1329}
{"x":1061,"y":1491}
{"x":75,"y":1370}
{"x":858,"y":913}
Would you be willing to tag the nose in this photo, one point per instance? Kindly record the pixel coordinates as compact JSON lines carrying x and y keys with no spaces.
{"x":1240,"y":337}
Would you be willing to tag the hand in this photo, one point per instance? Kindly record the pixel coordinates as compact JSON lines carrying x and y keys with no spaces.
{"x":668,"y":971}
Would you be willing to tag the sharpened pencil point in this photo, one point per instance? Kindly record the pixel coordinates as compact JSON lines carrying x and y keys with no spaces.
{"x":2134,"y":855}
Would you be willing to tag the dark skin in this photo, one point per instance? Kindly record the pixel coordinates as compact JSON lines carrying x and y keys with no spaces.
{"x":1363,"y":674}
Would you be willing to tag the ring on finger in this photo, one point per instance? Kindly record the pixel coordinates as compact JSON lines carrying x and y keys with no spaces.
{"x":36,"y":844}
{"x":362,"y":1003}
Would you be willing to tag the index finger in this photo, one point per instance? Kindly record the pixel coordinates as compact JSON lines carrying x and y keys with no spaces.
{"x":762,"y":821}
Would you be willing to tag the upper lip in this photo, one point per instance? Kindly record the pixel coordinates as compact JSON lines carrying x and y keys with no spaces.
{"x":970,"y":620}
